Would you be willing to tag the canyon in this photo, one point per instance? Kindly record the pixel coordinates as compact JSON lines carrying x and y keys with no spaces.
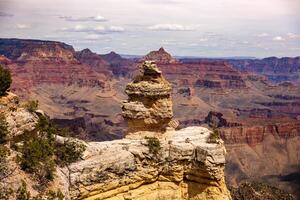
{"x":175,"y":164}
{"x":259,"y":100}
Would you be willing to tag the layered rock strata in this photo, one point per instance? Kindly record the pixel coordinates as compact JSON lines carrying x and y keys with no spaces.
{"x":187,"y":166}
{"x":149,"y":106}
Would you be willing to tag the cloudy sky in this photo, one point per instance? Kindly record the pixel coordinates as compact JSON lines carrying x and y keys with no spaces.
{"x":212,"y":28}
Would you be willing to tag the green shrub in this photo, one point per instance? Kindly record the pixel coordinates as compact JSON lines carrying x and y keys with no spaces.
{"x":5,"y":80}
{"x":40,"y":153}
{"x":32,"y":105}
{"x":214,"y":136}
{"x":69,"y":152}
{"x":37,"y":158}
{"x":3,"y":129}
{"x":22,"y":192}
{"x":153,"y":144}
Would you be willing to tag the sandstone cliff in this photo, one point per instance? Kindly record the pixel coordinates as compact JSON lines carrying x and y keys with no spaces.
{"x":187,"y":166}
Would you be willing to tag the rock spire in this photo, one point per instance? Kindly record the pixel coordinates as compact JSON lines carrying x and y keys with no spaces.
{"x":149,"y":104}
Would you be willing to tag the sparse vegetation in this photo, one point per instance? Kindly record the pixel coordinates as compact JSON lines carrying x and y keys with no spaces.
{"x":40,"y":152}
{"x":153,"y":144}
{"x":69,"y":152}
{"x":37,"y":158}
{"x":256,"y":190}
{"x":50,"y":195}
{"x":32,"y":105}
{"x":5,"y":80}
{"x":3,"y":129}
{"x":5,"y":193}
{"x":22,"y":192}
{"x":4,"y":153}
{"x":214,"y":136}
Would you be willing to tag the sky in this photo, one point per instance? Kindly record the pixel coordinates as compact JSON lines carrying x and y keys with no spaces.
{"x":204,"y":28}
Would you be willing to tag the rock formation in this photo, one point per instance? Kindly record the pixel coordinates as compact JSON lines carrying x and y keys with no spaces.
{"x":149,"y":106}
{"x":17,"y":117}
{"x":186,"y":167}
{"x":185,"y":164}
{"x":160,"y":57}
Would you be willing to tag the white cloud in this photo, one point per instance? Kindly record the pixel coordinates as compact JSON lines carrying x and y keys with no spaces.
{"x":263,"y":35}
{"x":97,"y":18}
{"x":293,"y":36}
{"x":202,"y":40}
{"x":92,"y":37}
{"x":278,"y":38}
{"x":23,"y":26}
{"x":99,"y":29}
{"x":116,"y":29}
{"x":171,"y":27}
{"x":95,"y":30}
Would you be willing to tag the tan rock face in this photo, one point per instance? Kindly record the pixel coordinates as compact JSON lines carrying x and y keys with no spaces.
{"x":186,"y":167}
{"x":149,"y":106}
{"x":17,"y":117}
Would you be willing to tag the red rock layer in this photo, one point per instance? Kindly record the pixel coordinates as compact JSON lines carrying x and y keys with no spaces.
{"x":36,"y":51}
{"x":209,"y":74}
{"x":35,"y":62}
{"x":95,"y":61}
{"x":253,"y":135}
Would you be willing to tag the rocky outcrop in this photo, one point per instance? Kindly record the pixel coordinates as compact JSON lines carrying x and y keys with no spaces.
{"x":149,"y":106}
{"x":216,"y":120}
{"x":187,"y":166}
{"x":17,"y":117}
{"x":160,"y":57}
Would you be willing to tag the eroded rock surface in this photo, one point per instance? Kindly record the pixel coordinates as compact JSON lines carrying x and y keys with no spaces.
{"x":186,"y":167}
{"x":149,"y":106}
{"x":17,"y":117}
